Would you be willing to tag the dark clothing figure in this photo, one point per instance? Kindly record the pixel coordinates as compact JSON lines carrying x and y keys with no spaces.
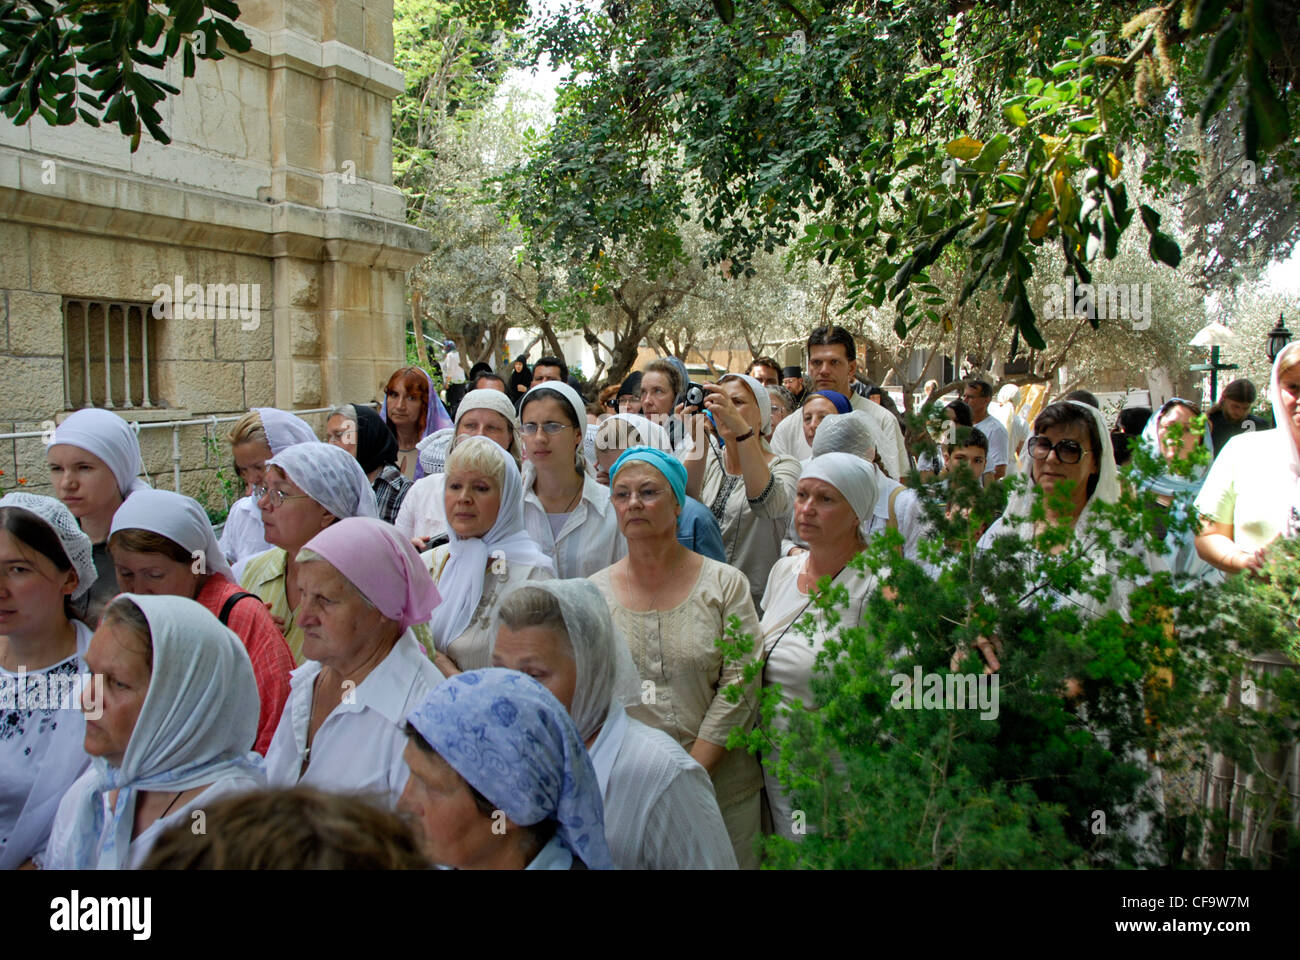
{"x":1222,"y":429}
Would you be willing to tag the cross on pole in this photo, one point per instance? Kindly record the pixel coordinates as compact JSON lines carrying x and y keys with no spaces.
{"x":1214,"y":366}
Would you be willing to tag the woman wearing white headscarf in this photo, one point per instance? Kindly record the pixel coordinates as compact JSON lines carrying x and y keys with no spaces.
{"x":833,"y":507}
{"x":487,"y":550}
{"x":486,"y":413}
{"x":1250,"y":498}
{"x":1071,"y":441}
{"x":95,"y":464}
{"x":162,"y":543}
{"x":45,"y":565}
{"x":660,"y":809}
{"x":363,"y":590}
{"x":259,"y":435}
{"x":177,"y":728}
{"x":749,"y":488}
{"x":307,"y":487}
{"x":565,"y":510}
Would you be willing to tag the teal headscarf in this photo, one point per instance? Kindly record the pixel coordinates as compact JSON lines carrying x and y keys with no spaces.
{"x":665,"y":463}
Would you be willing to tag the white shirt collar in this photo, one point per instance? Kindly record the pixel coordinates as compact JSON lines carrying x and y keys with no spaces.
{"x":608,"y":743}
{"x":386,"y":688}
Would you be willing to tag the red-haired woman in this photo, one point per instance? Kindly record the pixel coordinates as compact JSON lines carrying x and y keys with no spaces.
{"x":412,"y":411}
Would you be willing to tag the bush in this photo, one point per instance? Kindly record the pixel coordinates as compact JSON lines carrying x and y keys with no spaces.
{"x":1056,"y":779}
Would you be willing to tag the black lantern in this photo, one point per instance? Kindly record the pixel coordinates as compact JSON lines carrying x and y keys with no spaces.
{"x":1278,"y":338}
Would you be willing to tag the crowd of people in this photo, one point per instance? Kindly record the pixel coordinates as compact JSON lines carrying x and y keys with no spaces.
{"x":498,"y":618}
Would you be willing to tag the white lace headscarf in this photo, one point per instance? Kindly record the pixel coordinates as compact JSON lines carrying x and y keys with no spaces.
{"x":606,"y":672}
{"x":283,"y":429}
{"x":853,"y":433}
{"x":329,"y":475}
{"x":75,"y":543}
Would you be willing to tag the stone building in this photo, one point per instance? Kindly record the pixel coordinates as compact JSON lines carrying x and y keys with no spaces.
{"x":272,"y":214}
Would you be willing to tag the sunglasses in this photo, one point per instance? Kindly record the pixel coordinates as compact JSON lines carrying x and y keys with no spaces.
{"x":1067,"y":451}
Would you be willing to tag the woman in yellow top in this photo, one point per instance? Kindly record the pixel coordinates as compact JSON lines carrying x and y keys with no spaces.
{"x":306,"y":488}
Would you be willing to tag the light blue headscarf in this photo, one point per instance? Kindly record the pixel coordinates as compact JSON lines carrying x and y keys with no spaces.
{"x":1167,"y":483}
{"x":515,"y":743}
{"x":665,"y":463}
{"x":196,"y":726}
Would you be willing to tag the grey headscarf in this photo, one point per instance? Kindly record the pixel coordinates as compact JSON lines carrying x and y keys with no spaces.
{"x":606,"y":671}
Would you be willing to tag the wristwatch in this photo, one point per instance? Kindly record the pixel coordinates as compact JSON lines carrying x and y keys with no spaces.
{"x":745,"y":436}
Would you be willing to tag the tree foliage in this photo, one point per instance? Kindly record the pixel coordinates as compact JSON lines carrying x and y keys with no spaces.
{"x":97,"y":60}
{"x":890,"y":137}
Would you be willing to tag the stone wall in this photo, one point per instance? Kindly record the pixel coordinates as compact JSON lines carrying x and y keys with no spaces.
{"x":279,"y":175}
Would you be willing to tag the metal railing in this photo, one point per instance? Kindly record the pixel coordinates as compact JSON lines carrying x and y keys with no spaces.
{"x":209,"y":423}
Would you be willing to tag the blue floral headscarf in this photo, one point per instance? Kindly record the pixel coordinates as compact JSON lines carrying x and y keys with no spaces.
{"x":515,"y":743}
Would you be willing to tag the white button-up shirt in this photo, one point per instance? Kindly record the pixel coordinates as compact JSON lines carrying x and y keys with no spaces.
{"x":660,"y":809}
{"x":589,"y":540}
{"x":358,"y":749}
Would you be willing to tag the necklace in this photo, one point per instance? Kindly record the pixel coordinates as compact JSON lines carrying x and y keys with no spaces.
{"x":170,"y":805}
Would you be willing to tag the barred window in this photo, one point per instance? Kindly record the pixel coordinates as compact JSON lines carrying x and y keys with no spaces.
{"x":109,"y":351}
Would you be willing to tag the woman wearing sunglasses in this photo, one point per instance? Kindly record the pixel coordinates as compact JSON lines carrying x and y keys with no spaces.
{"x":565,"y":510}
{"x":307,"y":486}
{"x":1070,"y":444}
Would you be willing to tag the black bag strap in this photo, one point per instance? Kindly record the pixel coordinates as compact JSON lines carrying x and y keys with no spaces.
{"x":234,"y":598}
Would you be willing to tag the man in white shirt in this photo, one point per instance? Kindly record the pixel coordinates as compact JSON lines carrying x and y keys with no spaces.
{"x":832,"y":365}
{"x":453,"y":376}
{"x":977,"y":395}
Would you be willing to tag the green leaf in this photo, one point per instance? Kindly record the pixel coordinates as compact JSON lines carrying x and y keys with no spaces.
{"x":189,"y":59}
{"x":235,"y":39}
{"x":1164,"y":250}
{"x":1150,"y":219}
{"x":186,"y":14}
{"x":1221,"y":50}
{"x":991,"y":153}
{"x":1264,"y":34}
{"x":1217,"y":97}
{"x":726,"y":10}
{"x":1270,"y":113}
{"x":1207,"y":15}
{"x":1015,"y":114}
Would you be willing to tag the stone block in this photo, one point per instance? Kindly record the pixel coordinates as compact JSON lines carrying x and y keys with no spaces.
{"x":306,"y":384}
{"x":259,"y":384}
{"x":181,"y":339}
{"x":345,"y":21}
{"x":203,"y":386}
{"x":379,"y":30}
{"x":356,"y":381}
{"x":15,"y":265}
{"x":234,"y":342}
{"x":33,"y":387}
{"x":35,"y":323}
{"x":156,"y":450}
{"x":305,"y":332}
{"x":303,"y":283}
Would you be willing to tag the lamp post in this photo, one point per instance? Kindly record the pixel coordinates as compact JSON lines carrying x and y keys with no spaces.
{"x":1278,"y":338}
{"x":1213,"y":335}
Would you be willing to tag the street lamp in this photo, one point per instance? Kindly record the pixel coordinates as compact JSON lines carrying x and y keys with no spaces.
{"x":1213,"y":335}
{"x":1278,"y":338}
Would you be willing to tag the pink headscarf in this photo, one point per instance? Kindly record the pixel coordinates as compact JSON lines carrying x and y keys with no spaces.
{"x":382,"y":564}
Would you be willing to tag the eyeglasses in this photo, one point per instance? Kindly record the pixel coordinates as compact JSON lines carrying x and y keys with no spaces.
{"x":550,"y":426}
{"x":1067,"y":451}
{"x":276,"y":497}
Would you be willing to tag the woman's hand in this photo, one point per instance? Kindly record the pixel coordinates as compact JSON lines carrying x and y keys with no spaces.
{"x":278,"y":621}
{"x":1247,"y":560}
{"x":445,"y":664}
{"x":730,"y":423}
{"x":419,"y":543}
